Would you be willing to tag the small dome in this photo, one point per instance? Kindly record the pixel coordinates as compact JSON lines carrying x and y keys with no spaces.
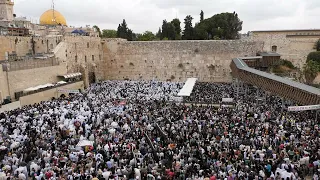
{"x":47,"y":18}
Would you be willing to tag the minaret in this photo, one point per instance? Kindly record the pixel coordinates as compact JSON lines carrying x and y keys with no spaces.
{"x":6,"y":10}
{"x":53,"y":15}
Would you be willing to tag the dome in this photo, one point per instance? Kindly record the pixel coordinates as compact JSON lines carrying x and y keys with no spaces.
{"x":47,"y":18}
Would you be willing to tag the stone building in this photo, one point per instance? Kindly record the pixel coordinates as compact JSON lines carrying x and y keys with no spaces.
{"x":293,"y":45}
{"x":6,"y":10}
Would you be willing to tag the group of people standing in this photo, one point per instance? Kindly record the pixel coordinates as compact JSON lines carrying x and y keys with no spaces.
{"x":137,"y":132}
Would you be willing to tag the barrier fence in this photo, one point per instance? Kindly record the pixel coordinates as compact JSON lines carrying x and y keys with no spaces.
{"x":28,"y":63}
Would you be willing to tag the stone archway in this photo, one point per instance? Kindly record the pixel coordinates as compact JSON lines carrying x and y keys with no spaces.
{"x":92,"y":73}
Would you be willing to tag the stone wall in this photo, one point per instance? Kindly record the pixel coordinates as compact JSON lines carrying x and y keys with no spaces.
{"x":10,"y":107}
{"x":49,"y":94}
{"x":174,"y":60}
{"x":81,"y":54}
{"x":4,"y":91}
{"x":23,"y":79}
{"x":23,"y":45}
{"x":292,"y":45}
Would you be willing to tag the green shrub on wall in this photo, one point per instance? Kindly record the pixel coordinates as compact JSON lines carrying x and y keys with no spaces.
{"x":314,"y":56}
{"x":287,"y":63}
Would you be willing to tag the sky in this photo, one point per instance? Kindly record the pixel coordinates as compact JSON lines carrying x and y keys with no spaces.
{"x":142,"y":15}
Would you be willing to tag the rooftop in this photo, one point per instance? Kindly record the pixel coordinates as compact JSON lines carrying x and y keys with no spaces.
{"x":269,"y":54}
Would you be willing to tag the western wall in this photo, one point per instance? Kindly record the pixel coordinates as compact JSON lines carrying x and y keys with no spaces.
{"x":174,"y":60}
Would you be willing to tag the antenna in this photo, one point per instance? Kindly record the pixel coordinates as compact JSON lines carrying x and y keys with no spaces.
{"x":54,"y":18}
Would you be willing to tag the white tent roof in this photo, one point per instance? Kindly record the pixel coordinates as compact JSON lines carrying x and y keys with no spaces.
{"x":72,"y":75}
{"x":38,"y":87}
{"x":188,"y":87}
{"x":61,"y":82}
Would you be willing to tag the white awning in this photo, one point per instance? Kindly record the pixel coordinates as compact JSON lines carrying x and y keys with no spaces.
{"x":188,"y":87}
{"x":61,"y":82}
{"x":73,"y":75}
{"x":38,"y":87}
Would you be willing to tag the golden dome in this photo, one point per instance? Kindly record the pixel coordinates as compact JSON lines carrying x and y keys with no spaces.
{"x":47,"y":18}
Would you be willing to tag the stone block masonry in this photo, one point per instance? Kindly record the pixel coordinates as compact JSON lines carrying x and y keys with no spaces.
{"x":173,"y":60}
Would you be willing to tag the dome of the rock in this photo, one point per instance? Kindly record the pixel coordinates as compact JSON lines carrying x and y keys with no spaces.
{"x":52,"y":17}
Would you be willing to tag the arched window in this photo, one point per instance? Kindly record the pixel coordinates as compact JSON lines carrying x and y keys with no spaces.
{"x":274,"y":48}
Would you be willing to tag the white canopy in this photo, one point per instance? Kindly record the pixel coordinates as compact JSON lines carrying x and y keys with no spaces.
{"x":73,"y":75}
{"x":188,"y":87}
{"x":85,"y":143}
{"x":61,"y":82}
{"x":38,"y":87}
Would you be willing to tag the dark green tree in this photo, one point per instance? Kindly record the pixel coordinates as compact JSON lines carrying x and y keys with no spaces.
{"x":176,"y":23}
{"x":109,"y":33}
{"x":124,"y":32}
{"x":188,"y":28}
{"x":219,"y":26}
{"x":130,"y":35}
{"x":318,"y":45}
{"x":164,"y":30}
{"x":314,"y":56}
{"x":201,"y":16}
{"x":171,"y":31}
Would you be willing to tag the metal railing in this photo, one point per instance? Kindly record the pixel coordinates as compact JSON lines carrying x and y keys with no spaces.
{"x":28,"y":63}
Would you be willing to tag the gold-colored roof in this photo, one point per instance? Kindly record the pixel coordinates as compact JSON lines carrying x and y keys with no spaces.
{"x":47,"y":18}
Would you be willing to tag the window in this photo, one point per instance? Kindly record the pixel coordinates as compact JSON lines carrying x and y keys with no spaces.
{"x":42,"y":41}
{"x":99,"y":56}
{"x":76,"y":58}
{"x":85,"y":58}
{"x":92,"y":57}
{"x":88,"y":45}
{"x":274,"y":48}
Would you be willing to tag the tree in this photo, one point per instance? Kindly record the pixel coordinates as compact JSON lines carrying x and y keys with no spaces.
{"x":219,"y":26}
{"x":122,"y":31}
{"x":177,"y":28}
{"x":109,"y":33}
{"x":147,"y":36}
{"x":311,"y":70}
{"x":164,"y":30}
{"x":97,"y":29}
{"x":130,"y":35}
{"x":168,"y":30}
{"x":171,"y":31}
{"x":188,"y":28}
{"x":318,"y":45}
{"x":314,"y":56}
{"x":201,"y":16}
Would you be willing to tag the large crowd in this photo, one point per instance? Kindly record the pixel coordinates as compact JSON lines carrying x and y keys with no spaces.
{"x":131,"y":130}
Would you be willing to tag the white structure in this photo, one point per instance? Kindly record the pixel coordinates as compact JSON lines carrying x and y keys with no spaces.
{"x":188,"y":87}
